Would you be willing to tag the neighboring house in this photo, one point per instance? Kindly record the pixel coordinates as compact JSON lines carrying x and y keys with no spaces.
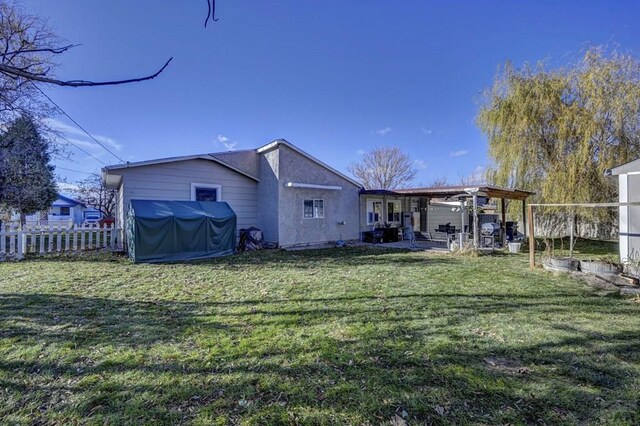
{"x":64,"y":211}
{"x":629,"y":216}
{"x":294,"y":198}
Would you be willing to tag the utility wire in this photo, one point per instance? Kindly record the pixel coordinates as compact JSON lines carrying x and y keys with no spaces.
{"x":75,"y":171}
{"x":77,"y":124}
{"x":83,"y":150}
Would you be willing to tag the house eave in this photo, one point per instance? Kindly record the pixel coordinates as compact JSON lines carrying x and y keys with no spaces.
{"x":208,"y":157}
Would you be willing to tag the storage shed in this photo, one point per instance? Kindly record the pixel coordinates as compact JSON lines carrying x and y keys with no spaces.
{"x":629,"y":219}
{"x":169,"y":231}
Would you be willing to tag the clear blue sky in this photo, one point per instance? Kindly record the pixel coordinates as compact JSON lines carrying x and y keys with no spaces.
{"x":333,"y":77}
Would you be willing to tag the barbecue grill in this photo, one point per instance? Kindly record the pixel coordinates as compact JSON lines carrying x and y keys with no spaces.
{"x":489,"y":231}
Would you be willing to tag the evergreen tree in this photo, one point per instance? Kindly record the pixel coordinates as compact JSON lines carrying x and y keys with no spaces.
{"x":27,"y":182}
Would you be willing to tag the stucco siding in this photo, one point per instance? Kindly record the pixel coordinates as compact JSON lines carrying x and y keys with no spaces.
{"x":339,"y":205}
{"x":268,"y":194}
{"x":172,"y":181}
{"x":248,"y":160}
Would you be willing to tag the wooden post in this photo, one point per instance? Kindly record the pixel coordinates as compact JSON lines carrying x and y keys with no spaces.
{"x":3,"y":239}
{"x":12,"y":243}
{"x":503,"y":224}
{"x":22,"y":243}
{"x":50,"y":241}
{"x":532,"y":241}
{"x":476,"y":234}
{"x":58,"y":238}
{"x":524,"y":218}
{"x":112,"y":239}
{"x":42,"y":234}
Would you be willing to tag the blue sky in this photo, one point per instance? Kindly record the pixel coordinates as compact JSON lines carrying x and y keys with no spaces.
{"x":333,"y":77}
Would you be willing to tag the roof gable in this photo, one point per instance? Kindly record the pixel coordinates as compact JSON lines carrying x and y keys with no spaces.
{"x":310,"y":157}
{"x":63,"y":201}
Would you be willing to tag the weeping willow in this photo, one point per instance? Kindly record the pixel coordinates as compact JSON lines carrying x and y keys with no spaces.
{"x":555,"y":132}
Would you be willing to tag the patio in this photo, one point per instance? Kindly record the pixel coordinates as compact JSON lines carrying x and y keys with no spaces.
{"x":439,"y":214}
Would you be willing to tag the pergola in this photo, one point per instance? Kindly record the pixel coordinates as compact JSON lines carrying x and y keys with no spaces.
{"x":466,"y":191}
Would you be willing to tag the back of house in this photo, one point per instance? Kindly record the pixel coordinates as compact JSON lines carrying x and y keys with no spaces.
{"x":293,"y":197}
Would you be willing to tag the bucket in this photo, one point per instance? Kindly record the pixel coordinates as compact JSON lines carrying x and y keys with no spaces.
{"x":514,"y":247}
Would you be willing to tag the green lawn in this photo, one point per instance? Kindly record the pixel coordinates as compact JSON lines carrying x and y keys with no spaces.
{"x":340,"y":336}
{"x":584,"y":248}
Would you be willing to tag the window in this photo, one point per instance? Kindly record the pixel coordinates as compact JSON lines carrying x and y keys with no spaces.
{"x":65,"y":211}
{"x":374,"y":211}
{"x":206,"y":192}
{"x":313,"y":209}
{"x":393,"y":211}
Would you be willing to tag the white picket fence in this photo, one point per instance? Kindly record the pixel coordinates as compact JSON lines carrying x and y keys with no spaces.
{"x":16,"y":242}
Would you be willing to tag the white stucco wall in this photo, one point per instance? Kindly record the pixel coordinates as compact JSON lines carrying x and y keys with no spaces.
{"x":339,"y":205}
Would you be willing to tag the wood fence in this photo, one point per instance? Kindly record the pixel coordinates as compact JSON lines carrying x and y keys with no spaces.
{"x":16,"y":242}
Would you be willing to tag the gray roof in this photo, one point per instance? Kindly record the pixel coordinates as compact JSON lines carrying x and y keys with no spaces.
{"x":631,"y":166}
{"x":208,"y":157}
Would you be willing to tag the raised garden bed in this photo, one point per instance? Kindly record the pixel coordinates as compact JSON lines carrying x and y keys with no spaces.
{"x":562,"y":264}
{"x":600,"y":267}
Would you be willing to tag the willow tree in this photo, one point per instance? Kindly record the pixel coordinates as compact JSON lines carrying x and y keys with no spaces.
{"x":556,"y":131}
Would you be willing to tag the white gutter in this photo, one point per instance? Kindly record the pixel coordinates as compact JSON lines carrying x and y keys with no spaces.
{"x":312,"y":186}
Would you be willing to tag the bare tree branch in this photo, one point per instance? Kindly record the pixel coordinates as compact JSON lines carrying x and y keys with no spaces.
{"x":55,"y":50}
{"x":211,"y":12}
{"x":13,"y":71}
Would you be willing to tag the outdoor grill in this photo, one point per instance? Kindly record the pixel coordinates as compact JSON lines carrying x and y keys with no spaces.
{"x":489,"y":231}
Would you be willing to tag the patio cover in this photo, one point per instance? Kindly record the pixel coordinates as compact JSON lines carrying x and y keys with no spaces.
{"x":450,"y":191}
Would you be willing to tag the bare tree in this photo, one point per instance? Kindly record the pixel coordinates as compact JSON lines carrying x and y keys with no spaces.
{"x":28,"y":54}
{"x":478,"y":176}
{"x":384,"y":168}
{"x":92,"y":192}
{"x":440,"y":181}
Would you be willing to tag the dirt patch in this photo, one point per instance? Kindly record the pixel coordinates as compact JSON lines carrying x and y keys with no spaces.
{"x":505,"y":365}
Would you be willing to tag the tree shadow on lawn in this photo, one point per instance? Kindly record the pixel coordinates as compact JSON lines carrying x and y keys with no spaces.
{"x":66,"y":358}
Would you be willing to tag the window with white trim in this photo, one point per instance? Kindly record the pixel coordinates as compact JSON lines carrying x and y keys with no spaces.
{"x":313,"y":209}
{"x":206,"y":192}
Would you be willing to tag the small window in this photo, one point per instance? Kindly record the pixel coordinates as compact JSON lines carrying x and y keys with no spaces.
{"x":313,"y":209}
{"x":374,"y":211}
{"x":393,"y":211}
{"x":205,"y":192}
{"x":65,"y":211}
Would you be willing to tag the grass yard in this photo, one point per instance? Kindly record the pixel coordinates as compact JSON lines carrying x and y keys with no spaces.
{"x":344,"y":336}
{"x":583,"y":248}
